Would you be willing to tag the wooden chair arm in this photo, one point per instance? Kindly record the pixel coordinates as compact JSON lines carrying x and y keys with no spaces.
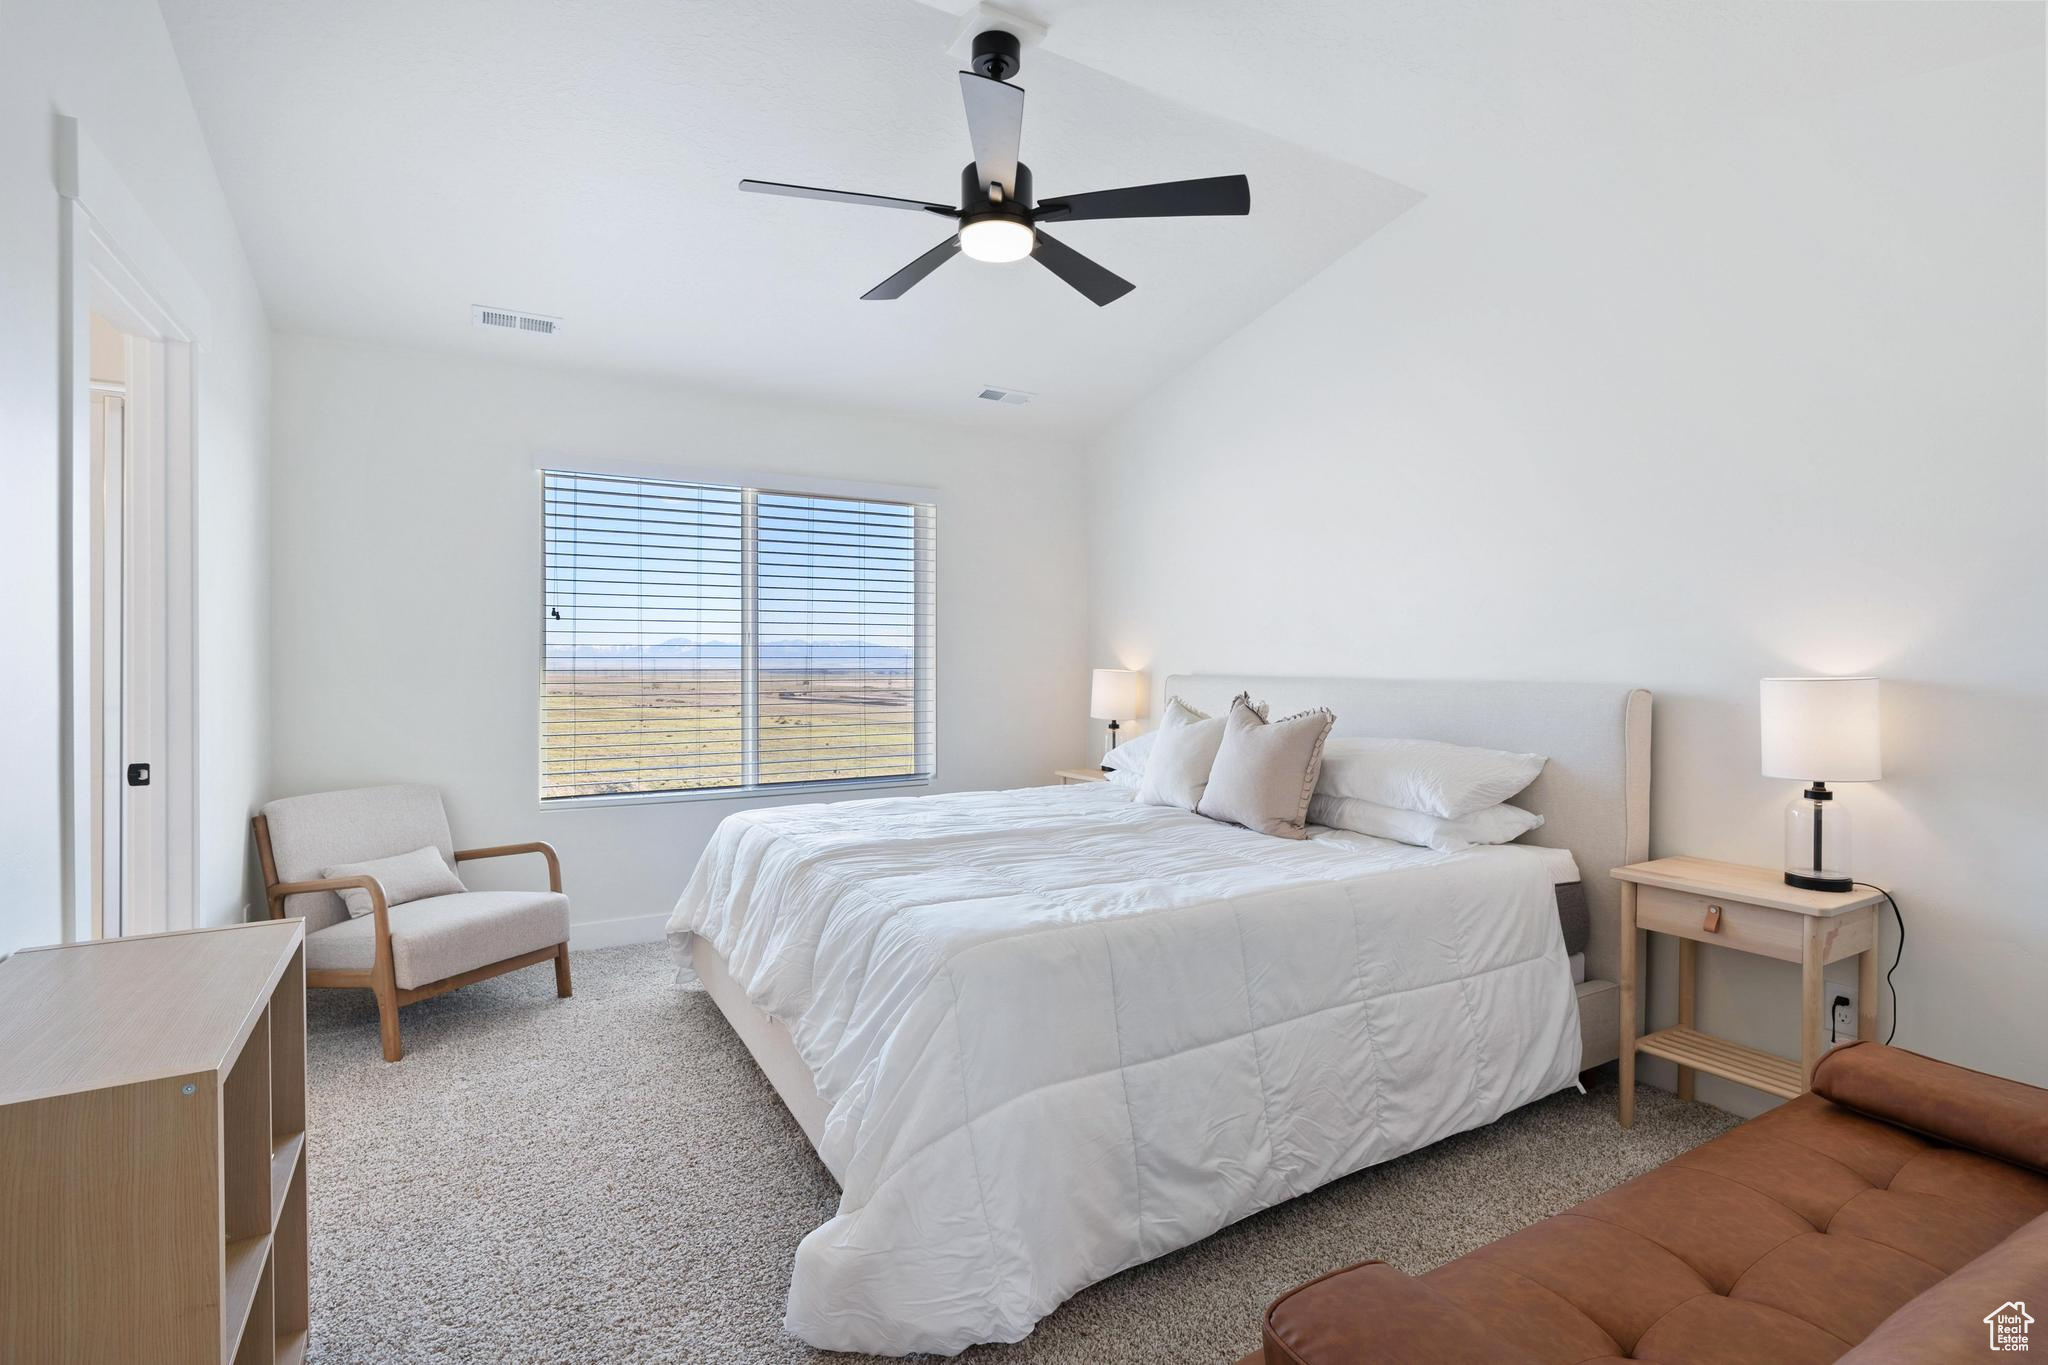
{"x":380,"y":912}
{"x":546,"y":850}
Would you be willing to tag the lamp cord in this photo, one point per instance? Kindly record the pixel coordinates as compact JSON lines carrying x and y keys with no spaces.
{"x":1897,"y":957}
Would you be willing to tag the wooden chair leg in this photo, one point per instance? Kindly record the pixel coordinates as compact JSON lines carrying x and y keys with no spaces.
{"x":562,"y":971}
{"x":383,"y":976}
{"x":387,"y":1024}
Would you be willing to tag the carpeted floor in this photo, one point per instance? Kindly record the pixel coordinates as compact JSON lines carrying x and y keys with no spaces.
{"x":609,"y":1179}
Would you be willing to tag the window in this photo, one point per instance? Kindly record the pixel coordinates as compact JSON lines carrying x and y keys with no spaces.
{"x":709,"y":638}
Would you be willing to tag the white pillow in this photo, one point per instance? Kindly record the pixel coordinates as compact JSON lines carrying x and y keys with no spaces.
{"x":1177,"y":769}
{"x":1132,"y":755}
{"x":1447,"y":780}
{"x":1494,"y":825}
{"x":1129,"y":757}
{"x":1191,"y":756}
{"x":405,"y":877}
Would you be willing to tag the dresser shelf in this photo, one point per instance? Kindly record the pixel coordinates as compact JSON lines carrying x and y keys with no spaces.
{"x":152,"y":1149}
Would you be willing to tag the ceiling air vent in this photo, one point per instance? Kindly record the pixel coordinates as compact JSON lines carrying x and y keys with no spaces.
{"x":511,"y":321}
{"x":1012,"y":396}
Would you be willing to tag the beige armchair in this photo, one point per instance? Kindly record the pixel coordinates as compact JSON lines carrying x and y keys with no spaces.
{"x":422,"y":948}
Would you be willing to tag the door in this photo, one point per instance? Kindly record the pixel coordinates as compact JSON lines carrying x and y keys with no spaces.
{"x":129,"y":731}
{"x":129,"y":833}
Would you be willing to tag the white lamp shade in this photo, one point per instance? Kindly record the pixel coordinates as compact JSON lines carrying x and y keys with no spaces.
{"x":1116,"y":694}
{"x":1821,"y":729}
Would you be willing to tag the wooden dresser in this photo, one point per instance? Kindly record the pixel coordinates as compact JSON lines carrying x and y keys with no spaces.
{"x":152,"y":1143}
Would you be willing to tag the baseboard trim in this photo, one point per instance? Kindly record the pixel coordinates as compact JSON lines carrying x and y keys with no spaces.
{"x":616,"y":933}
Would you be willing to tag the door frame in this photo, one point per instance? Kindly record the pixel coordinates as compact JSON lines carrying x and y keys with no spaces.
{"x":113,"y":261}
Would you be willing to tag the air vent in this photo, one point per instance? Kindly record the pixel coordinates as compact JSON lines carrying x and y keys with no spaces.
{"x":1013,"y":396}
{"x":511,"y":321}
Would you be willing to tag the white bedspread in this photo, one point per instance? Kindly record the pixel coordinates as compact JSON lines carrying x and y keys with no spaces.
{"x":1062,"y":1034}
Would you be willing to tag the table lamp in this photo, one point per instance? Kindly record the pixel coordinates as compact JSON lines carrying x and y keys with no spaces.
{"x":1116,"y":694}
{"x":1823,"y":730}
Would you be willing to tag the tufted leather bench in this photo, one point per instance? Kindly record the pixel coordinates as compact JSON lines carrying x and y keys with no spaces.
{"x":1863,"y":1222}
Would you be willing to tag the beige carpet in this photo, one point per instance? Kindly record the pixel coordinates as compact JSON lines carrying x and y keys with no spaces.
{"x":608,"y":1178}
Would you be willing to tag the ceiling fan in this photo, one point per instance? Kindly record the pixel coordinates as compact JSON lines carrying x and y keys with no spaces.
{"x":998,"y":221}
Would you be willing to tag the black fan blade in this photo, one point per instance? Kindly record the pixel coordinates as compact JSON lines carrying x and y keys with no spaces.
{"x":1219,"y":194}
{"x":880,"y":201}
{"x":1099,"y":285}
{"x":898,"y":284}
{"x":995,"y":125}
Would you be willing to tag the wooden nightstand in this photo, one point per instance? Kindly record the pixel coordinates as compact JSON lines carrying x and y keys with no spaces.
{"x":1069,"y":776}
{"x":1751,"y":910}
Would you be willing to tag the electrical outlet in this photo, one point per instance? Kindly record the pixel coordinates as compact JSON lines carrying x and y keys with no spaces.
{"x":1842,"y":1006}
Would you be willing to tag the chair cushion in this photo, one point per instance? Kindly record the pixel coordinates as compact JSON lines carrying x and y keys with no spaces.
{"x":308,"y":833}
{"x":445,"y":936}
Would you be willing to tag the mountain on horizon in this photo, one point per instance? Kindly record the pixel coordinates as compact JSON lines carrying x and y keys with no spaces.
{"x":781,"y":653}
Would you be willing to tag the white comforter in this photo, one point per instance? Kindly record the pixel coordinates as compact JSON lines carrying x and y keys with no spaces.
{"x":1062,"y":1034}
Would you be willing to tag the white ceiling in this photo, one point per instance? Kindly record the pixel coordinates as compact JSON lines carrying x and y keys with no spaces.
{"x":1434,"y":92}
{"x":391,"y":163}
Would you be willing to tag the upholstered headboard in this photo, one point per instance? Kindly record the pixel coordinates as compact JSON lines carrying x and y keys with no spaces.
{"x":1594,"y":794}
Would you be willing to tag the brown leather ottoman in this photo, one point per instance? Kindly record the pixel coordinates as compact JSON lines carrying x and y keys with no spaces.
{"x":1877,"y":1210}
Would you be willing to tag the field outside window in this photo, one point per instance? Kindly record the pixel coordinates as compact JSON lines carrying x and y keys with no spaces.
{"x":706,"y":638}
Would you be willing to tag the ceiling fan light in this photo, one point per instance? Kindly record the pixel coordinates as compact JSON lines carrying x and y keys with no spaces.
{"x":997,"y":239}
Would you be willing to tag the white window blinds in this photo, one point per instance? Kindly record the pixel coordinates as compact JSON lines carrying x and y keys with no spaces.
{"x":701,"y":637}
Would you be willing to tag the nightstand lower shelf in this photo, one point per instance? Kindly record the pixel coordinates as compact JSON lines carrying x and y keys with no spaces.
{"x":1730,"y":1061}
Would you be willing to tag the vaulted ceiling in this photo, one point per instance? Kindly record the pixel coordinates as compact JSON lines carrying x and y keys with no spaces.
{"x":391,"y":163}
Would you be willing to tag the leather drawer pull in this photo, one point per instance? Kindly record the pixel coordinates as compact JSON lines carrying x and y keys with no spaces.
{"x":1712,"y":923}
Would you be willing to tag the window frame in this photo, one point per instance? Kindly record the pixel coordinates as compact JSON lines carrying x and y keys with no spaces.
{"x":750,"y":484}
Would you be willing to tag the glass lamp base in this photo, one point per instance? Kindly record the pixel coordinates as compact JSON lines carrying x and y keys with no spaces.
{"x":1817,"y":853}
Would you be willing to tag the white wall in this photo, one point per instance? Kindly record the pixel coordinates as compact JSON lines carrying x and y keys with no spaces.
{"x":109,"y":64}
{"x":407,"y":590}
{"x":1682,"y":415}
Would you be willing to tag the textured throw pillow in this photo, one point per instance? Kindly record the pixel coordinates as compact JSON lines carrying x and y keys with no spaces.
{"x":1448,"y":780}
{"x":1494,"y":825}
{"x":405,"y":877}
{"x":1265,"y":771}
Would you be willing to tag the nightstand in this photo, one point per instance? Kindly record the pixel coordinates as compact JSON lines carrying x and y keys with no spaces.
{"x":1748,"y":910}
{"x":1069,"y":776}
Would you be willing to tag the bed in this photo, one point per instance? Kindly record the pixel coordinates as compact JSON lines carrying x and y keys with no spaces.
{"x":1040,"y":1036}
